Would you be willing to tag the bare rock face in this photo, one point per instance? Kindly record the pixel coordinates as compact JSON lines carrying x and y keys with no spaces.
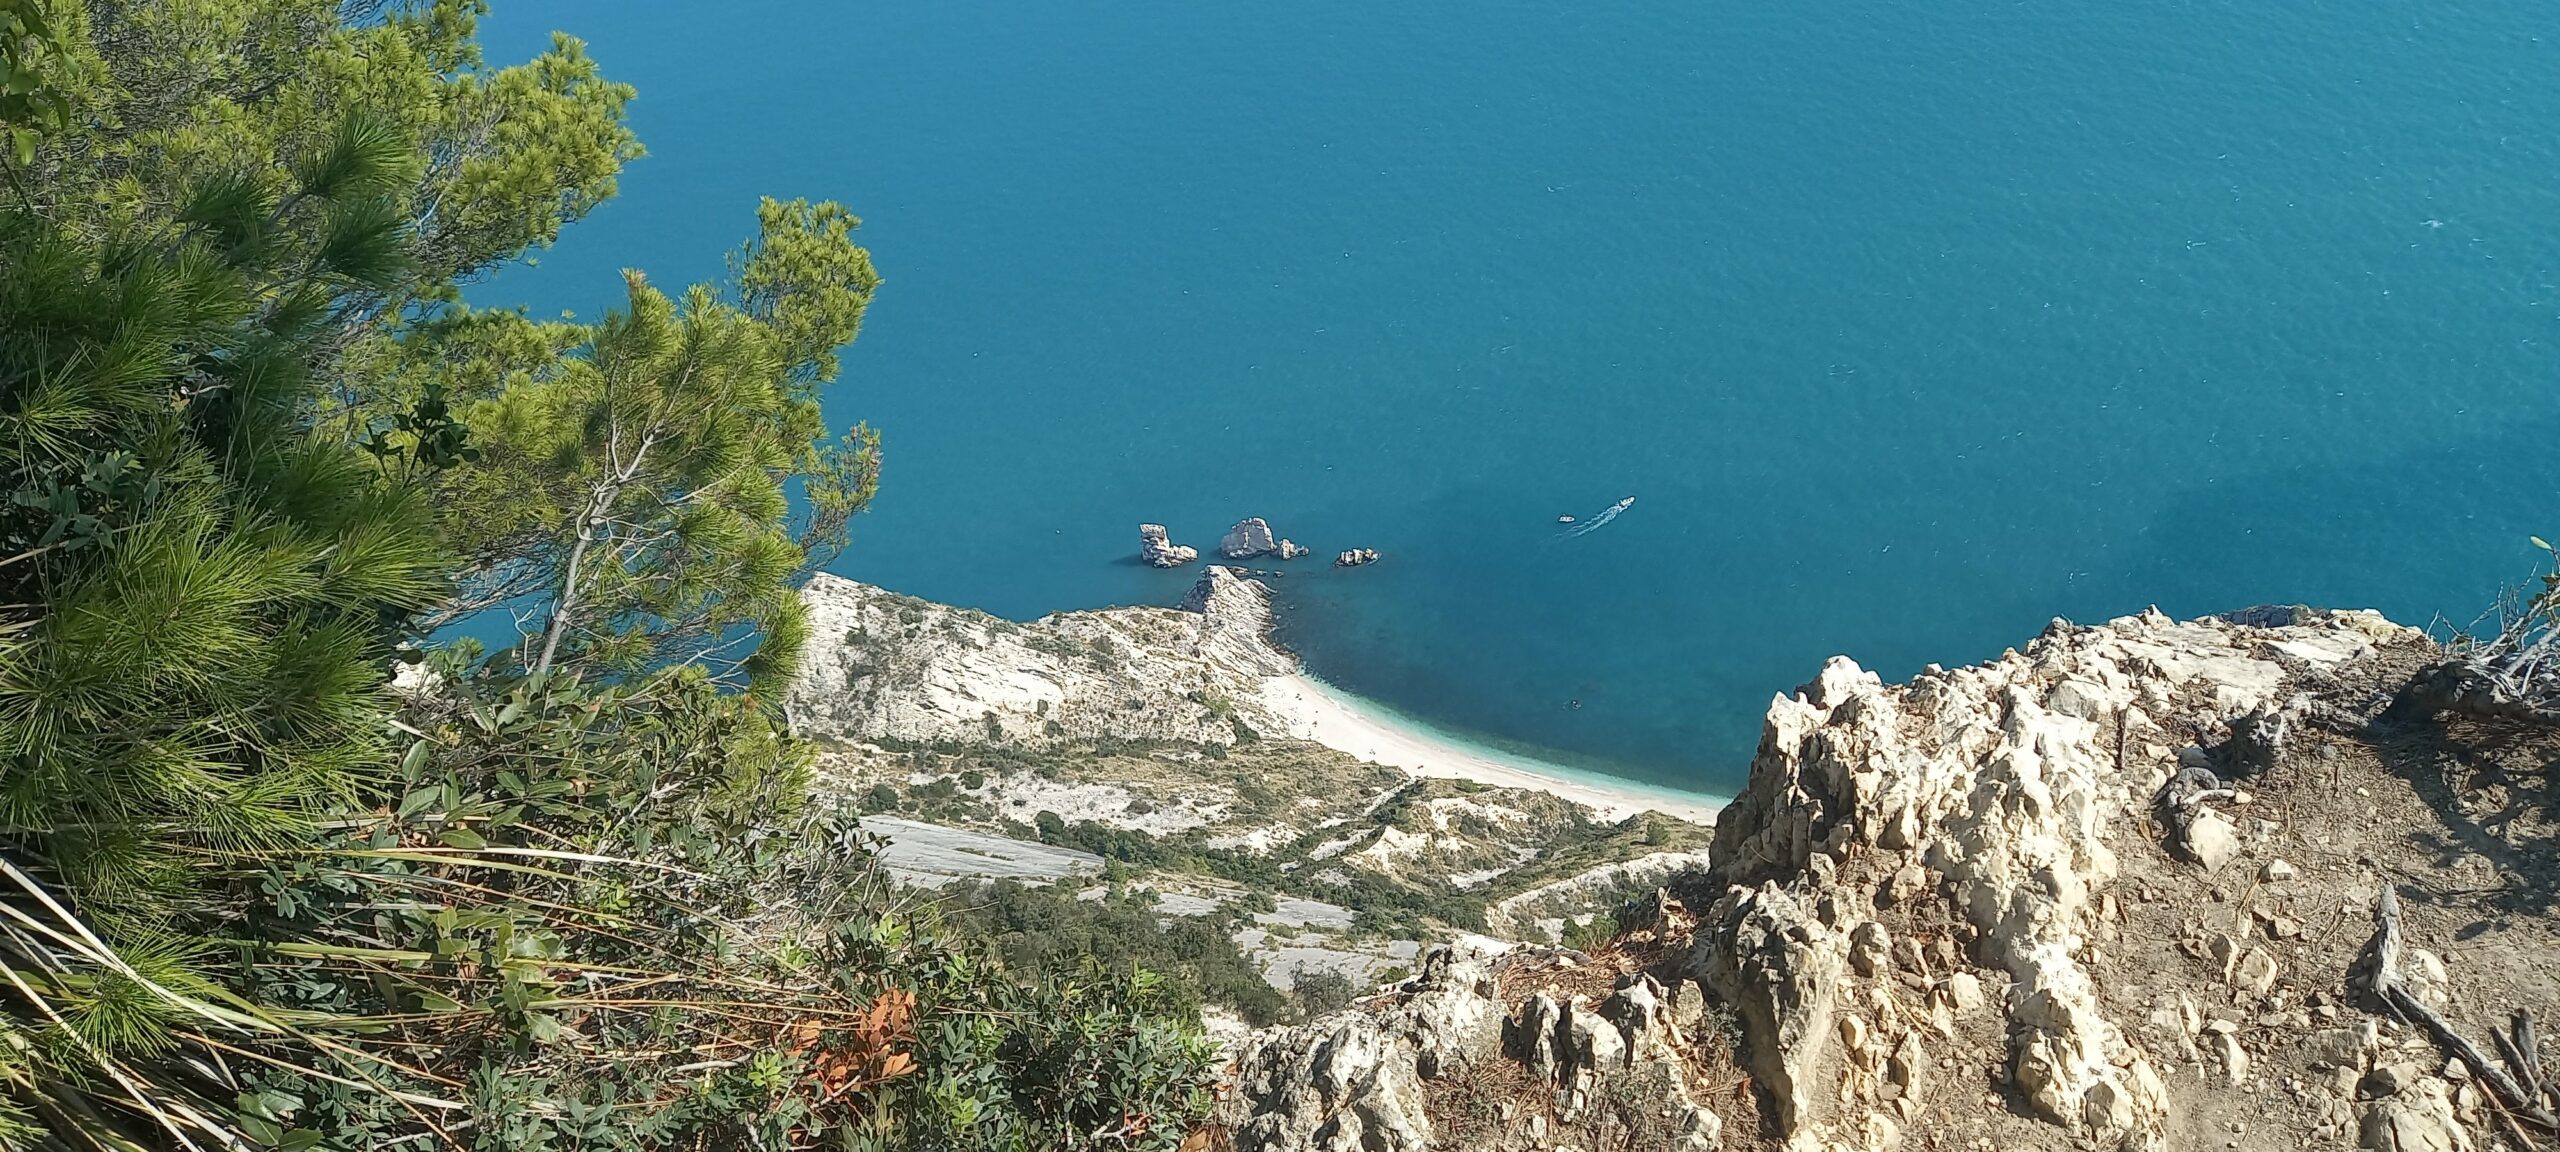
{"x":1373,"y":1077}
{"x":1355,"y":557}
{"x":1159,"y":551}
{"x":1250,"y":537}
{"x":1973,"y":911}
{"x":1291,"y":550}
{"x":883,"y":665}
{"x":1985,"y":805}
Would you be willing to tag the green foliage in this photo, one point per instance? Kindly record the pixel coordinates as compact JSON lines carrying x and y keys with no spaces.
{"x":1381,"y":905}
{"x":165,"y":97}
{"x":31,"y":104}
{"x":1048,"y":932}
{"x":1314,"y":992}
{"x":200,"y":589}
{"x":675,"y":900}
{"x":571,"y":897}
{"x":633,"y":476}
{"x":1591,"y":935}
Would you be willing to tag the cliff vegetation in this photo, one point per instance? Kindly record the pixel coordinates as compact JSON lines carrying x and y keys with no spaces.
{"x":561,"y":883}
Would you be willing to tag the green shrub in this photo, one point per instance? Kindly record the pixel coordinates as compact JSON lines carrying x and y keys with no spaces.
{"x":260,"y":450}
{"x":1591,"y":935}
{"x":1314,"y":993}
{"x":1047,"y":931}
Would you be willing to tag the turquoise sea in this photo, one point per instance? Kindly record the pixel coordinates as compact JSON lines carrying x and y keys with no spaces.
{"x":1909,"y":325}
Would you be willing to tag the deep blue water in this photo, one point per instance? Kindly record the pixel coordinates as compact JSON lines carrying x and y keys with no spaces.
{"x":1910,"y":325}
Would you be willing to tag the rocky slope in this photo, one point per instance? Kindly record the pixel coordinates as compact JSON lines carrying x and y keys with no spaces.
{"x":1141,"y":746}
{"x":1955,"y":913}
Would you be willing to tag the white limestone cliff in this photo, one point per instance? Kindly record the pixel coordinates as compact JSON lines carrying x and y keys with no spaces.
{"x":1948,"y":907}
{"x":886,"y":666}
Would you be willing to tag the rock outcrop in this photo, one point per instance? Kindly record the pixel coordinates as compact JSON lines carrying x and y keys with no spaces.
{"x":1159,"y":551}
{"x":1292,"y":550}
{"x":2016,"y":905}
{"x":1407,"y":1071}
{"x":1250,"y":537}
{"x":1986,"y":807}
{"x":1355,"y":557}
{"x":881,"y":665}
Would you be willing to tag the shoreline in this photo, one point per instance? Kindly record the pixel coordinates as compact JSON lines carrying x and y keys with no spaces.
{"x":1317,"y":711}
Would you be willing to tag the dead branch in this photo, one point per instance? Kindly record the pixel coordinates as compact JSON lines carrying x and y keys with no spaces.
{"x":2376,"y":973}
{"x":2511,"y":672}
{"x":2189,"y":786}
{"x":2517,"y":1063}
{"x":2490,"y":689}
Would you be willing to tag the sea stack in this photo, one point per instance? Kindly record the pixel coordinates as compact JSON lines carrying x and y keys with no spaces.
{"x":1249,"y":538}
{"x":1291,"y":550}
{"x":1355,"y":557}
{"x":1161,"y":552}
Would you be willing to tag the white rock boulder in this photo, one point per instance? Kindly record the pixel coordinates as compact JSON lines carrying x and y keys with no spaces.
{"x":1159,"y":551}
{"x":1250,"y":537}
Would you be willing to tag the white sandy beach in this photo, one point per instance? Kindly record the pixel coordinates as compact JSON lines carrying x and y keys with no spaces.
{"x":1316,"y":711}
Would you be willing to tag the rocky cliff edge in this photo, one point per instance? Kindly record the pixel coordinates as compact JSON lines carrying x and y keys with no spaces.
{"x":1954,"y":914}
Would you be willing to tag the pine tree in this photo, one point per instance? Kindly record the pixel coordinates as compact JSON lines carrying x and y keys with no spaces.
{"x":203,"y":593}
{"x":252,"y":895}
{"x":632,"y":494}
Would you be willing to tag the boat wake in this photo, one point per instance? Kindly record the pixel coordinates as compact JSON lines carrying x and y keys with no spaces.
{"x":1598,"y":522}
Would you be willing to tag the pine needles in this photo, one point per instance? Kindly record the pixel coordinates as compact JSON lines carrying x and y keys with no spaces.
{"x":253,"y":894}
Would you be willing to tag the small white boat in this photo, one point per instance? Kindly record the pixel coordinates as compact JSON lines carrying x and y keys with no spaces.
{"x":1564,"y":519}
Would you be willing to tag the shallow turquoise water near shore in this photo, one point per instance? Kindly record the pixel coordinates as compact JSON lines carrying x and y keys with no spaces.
{"x":1910,"y":326}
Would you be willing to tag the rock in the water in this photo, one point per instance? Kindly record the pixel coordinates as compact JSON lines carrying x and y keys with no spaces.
{"x":1249,"y":538}
{"x":1160,"y":552}
{"x":1355,"y":557}
{"x":1291,"y":550}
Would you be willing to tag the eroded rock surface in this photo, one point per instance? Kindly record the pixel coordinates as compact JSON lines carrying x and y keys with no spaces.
{"x":1449,"y":1059}
{"x":1985,"y":808}
{"x":1973,"y":912}
{"x":881,"y":665}
{"x":1158,"y":550}
{"x":1250,"y":537}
